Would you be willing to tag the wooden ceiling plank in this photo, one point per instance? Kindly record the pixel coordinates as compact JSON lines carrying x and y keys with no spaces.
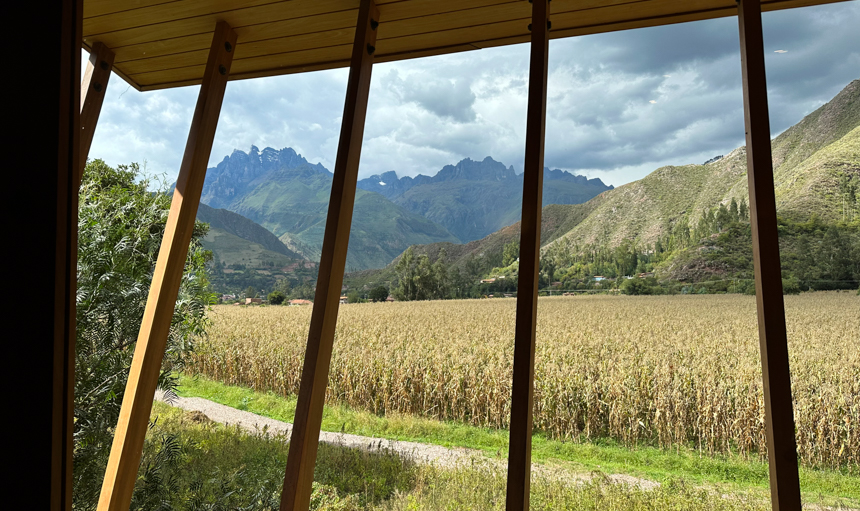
{"x":261,"y":9}
{"x":241,"y":18}
{"x":163,"y":47}
{"x":93,"y":8}
{"x":485,"y":22}
{"x":314,"y":25}
{"x":249,"y":34}
{"x":420,"y":8}
{"x":247,"y":17}
{"x":283,"y":60}
{"x":296,"y":44}
{"x":163,"y":13}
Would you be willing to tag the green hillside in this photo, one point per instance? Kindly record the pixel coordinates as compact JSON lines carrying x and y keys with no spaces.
{"x":294,"y":205}
{"x":810,"y":159}
{"x":230,"y":231}
{"x":380,"y":232}
{"x":229,"y":250}
{"x":475,"y":259}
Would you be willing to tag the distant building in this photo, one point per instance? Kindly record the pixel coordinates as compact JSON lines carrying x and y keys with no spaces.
{"x":344,"y":299}
{"x":301,"y":302}
{"x":252,"y":301}
{"x":487,"y":281}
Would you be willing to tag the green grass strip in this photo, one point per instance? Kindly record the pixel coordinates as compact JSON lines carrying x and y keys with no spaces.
{"x":733,"y":474}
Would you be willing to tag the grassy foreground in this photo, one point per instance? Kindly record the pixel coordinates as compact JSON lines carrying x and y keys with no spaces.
{"x":216,"y":467}
{"x":724,"y":473}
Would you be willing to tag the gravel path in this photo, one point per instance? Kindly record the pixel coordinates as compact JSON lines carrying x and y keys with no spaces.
{"x":251,"y":422}
{"x":422,"y":453}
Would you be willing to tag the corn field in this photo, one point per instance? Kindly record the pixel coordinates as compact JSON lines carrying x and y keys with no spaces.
{"x":667,"y":371}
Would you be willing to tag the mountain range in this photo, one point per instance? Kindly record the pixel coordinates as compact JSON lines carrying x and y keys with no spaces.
{"x":475,"y":198}
{"x":288,"y":196}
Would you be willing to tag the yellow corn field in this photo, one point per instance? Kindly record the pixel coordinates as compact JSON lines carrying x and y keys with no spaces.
{"x":674,"y":370}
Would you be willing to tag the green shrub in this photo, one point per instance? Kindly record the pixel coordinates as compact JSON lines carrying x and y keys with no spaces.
{"x":647,"y":286}
{"x":121,"y":223}
{"x":791,"y":286}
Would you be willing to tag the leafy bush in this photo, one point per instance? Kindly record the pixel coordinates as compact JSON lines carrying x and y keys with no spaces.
{"x":120,"y":227}
{"x":791,"y":286}
{"x":276,"y":298}
{"x":379,"y":294}
{"x":647,"y":286}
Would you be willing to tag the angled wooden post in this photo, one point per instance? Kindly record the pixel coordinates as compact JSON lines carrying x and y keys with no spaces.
{"x":148,"y":353}
{"x":93,"y":88}
{"x":779,"y":415}
{"x":519,"y":454}
{"x":305,"y":435}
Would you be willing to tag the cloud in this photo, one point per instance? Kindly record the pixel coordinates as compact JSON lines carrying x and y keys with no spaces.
{"x":446,"y":98}
{"x":429,"y":112}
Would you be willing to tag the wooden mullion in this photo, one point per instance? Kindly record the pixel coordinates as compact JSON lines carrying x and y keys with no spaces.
{"x":304,"y":440}
{"x":65,"y":230}
{"x":779,"y":415}
{"x":93,"y":87}
{"x":519,"y":454}
{"x":125,"y":453}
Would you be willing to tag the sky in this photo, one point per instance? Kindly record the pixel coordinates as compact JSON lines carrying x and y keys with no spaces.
{"x":619,"y":105}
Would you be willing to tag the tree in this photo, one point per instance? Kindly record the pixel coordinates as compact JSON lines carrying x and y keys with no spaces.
{"x":284,"y":287}
{"x":440,"y":281}
{"x":276,"y":297}
{"x":379,"y":294}
{"x":424,"y":279}
{"x":250,"y":292}
{"x":121,"y":224}
{"x":511,"y":252}
{"x":406,"y":274}
{"x":743,"y":211}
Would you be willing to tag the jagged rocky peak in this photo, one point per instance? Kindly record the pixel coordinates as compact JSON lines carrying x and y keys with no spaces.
{"x":486,"y":169}
{"x":254,"y":163}
{"x":384,"y":179}
{"x":231,"y":177}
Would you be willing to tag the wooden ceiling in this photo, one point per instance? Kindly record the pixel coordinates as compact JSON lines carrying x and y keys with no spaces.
{"x":164,"y":43}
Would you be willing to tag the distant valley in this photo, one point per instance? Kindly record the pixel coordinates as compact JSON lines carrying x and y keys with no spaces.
{"x":686,"y":224}
{"x":288,"y":196}
{"x":676,"y":222}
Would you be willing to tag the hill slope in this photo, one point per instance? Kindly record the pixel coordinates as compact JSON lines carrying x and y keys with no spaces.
{"x":809,"y":158}
{"x":225,"y":224}
{"x":478,"y":257}
{"x":475,"y":198}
